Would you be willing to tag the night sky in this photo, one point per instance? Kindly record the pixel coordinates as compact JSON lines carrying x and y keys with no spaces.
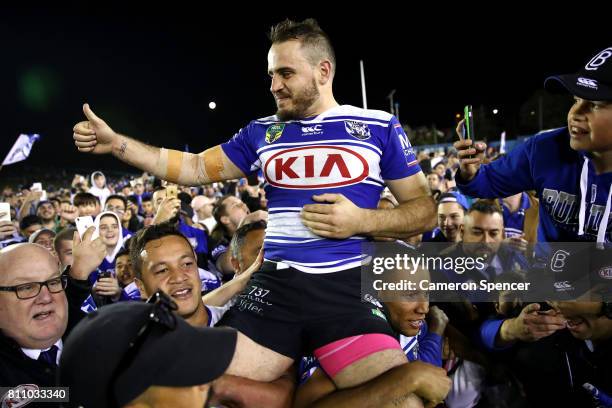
{"x":151,"y":75}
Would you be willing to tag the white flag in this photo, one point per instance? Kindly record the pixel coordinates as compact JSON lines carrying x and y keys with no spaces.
{"x":21,"y":149}
{"x":502,"y":143}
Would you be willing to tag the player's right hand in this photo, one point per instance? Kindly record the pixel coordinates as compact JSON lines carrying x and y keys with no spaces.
{"x":93,"y":135}
{"x":470,"y":154}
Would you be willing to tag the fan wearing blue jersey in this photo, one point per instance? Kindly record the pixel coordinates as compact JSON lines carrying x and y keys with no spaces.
{"x":332,"y":161}
{"x":570,"y":168}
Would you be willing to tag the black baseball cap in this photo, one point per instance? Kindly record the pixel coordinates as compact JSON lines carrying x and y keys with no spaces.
{"x":109,"y":359}
{"x":593,"y":82}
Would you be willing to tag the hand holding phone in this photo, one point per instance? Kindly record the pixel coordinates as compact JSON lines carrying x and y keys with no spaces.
{"x":470,"y":153}
{"x":468,"y":124}
{"x":83,"y":223}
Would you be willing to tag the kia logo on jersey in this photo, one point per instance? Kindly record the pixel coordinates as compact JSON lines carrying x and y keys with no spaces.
{"x":315,"y":167}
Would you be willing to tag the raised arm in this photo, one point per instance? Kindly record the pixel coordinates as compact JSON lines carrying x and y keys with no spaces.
{"x":95,"y":136}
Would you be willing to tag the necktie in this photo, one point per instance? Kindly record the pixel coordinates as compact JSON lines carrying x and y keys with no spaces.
{"x":49,"y":356}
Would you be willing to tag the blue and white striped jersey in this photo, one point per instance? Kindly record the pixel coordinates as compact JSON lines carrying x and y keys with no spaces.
{"x":345,"y":150}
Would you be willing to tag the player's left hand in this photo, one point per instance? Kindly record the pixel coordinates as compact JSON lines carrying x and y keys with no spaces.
{"x":338,"y":218}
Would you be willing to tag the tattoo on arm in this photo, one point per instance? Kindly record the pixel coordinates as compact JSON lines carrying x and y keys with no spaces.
{"x":122,"y":148}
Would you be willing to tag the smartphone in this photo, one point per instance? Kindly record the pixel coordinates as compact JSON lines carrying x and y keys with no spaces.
{"x":82,"y":223}
{"x":5,"y":212}
{"x":172,"y":190}
{"x":468,"y":125}
{"x":105,"y":274}
{"x":36,"y":187}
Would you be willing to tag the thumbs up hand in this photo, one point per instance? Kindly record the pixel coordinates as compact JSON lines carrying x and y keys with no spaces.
{"x":93,"y":135}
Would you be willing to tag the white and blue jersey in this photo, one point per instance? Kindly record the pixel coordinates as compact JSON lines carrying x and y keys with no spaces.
{"x":345,"y":150}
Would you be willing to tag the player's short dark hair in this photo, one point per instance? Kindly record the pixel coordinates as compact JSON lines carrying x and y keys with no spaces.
{"x":310,"y":34}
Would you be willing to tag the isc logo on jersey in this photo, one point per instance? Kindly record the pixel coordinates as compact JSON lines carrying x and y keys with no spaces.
{"x":315,"y":167}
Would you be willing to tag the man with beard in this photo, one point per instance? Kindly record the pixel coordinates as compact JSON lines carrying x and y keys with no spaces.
{"x":47,"y":213}
{"x":322,"y":201}
{"x":481,"y":236}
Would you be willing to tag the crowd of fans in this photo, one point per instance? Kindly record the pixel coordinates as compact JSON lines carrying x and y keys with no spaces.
{"x":508,"y":350}
{"x":148,"y":267}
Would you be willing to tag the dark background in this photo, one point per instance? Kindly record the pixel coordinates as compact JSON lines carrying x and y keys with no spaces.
{"x":151,"y":74}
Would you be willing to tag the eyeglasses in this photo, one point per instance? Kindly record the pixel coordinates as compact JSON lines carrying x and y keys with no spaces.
{"x":32,"y":289}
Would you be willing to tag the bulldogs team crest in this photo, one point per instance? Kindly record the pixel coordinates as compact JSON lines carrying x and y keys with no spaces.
{"x":274,"y":132}
{"x":358,"y":130}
